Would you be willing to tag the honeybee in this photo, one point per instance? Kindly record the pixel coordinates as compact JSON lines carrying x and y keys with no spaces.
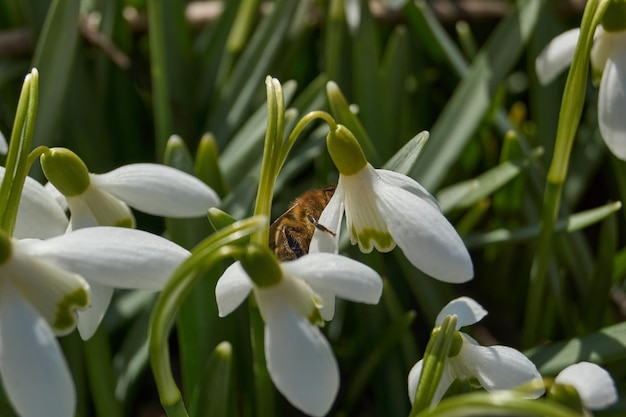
{"x":291,"y":233}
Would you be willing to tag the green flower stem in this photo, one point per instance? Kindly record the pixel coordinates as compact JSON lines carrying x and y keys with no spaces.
{"x":17,"y":166}
{"x":269,"y":167}
{"x":496,"y":404}
{"x":206,"y":254}
{"x":158,"y":70}
{"x":302,"y":123}
{"x":569,"y":117}
{"x":435,"y":358}
{"x":101,"y":377}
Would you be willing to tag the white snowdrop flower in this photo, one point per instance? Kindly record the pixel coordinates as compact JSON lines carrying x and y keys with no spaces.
{"x":595,"y":386}
{"x":44,"y":284}
{"x":384,"y":208}
{"x":104,"y":199}
{"x":299,"y":359}
{"x":495,"y":367}
{"x":608,"y":62}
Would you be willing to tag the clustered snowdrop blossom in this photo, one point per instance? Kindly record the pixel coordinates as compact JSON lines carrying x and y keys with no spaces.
{"x":608,"y":59}
{"x":495,"y":367}
{"x":299,"y":359}
{"x":384,"y":208}
{"x":594,"y":385}
{"x":104,"y":199}
{"x":42,"y":285}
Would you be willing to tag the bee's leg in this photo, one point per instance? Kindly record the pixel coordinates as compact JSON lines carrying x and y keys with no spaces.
{"x":320,"y":226}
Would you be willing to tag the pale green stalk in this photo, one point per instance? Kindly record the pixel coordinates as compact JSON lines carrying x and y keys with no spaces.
{"x":206,"y":254}
{"x":496,"y":404}
{"x":435,"y":358}
{"x":569,"y":118}
{"x":17,"y":165}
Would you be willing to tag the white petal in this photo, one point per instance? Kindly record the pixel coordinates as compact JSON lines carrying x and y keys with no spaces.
{"x":556,"y":56}
{"x":38,"y":216}
{"x":232,"y":288}
{"x":601,"y":49}
{"x":423,"y":233}
{"x":300,"y":360}
{"x":331,"y":217}
{"x":497,"y":367}
{"x":89,"y":319}
{"x":159,"y":190}
{"x":364,"y":220}
{"x":414,"y":377}
{"x":56,"y":194}
{"x":54,"y":292}
{"x":409,"y":184}
{"x":327,"y":309}
{"x":114,"y":256}
{"x":97,"y":207}
{"x":466,"y":309}
{"x":337,"y":274}
{"x":33,"y":370}
{"x":594,"y":385}
{"x":4,"y":146}
{"x":612,"y":103}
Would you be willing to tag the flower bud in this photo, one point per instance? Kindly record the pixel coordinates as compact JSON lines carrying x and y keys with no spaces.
{"x":261,"y":266}
{"x":345,"y":151}
{"x":66,"y":171}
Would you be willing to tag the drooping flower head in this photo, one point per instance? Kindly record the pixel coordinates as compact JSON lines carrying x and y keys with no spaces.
{"x":43,"y":285}
{"x":384,"y":208}
{"x":299,"y":359}
{"x":495,"y":367}
{"x":608,"y":64}
{"x":104,"y":199}
{"x":594,"y":387}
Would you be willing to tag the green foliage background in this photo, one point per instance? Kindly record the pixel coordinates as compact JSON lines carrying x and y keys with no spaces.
{"x":119,"y":77}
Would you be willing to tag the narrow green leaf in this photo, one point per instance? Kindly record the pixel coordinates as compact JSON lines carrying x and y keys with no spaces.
{"x":54,"y":57}
{"x":213,"y":396}
{"x":574,"y":222}
{"x":404,"y":160}
{"x":472,"y":98}
{"x":341,"y":111}
{"x":467,"y":193}
{"x":250,"y":70}
{"x":604,"y":347}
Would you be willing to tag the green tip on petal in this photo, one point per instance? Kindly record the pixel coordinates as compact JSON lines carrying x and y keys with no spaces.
{"x":566,"y":395}
{"x":261,"y":266}
{"x":345,"y":151}
{"x":6,"y":248}
{"x":65,"y":318}
{"x":66,"y":171}
{"x":614,"y":19}
{"x":381,"y":240}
